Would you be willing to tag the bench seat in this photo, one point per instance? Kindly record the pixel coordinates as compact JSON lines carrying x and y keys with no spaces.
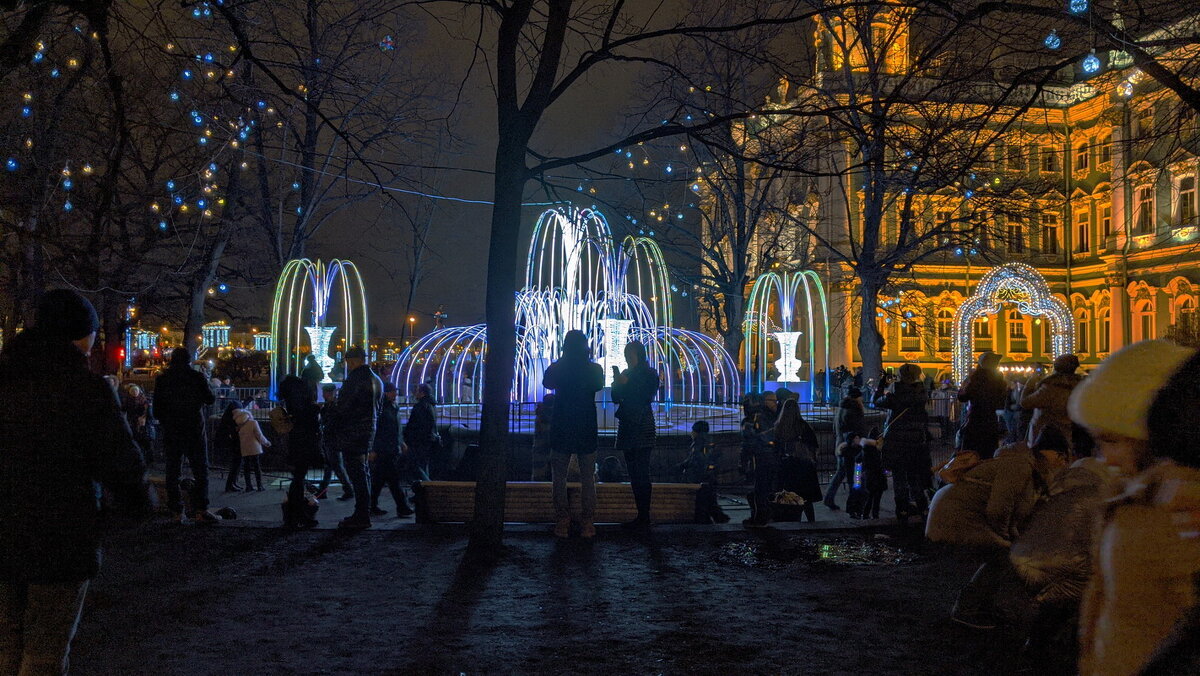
{"x":532,"y":502}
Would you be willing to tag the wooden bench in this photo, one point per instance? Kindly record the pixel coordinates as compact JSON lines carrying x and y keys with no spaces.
{"x":533,"y":502}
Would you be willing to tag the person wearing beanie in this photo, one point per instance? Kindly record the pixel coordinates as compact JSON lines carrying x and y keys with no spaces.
{"x":1048,"y":397}
{"x":61,"y":433}
{"x":1113,"y":402}
{"x":385,"y":456}
{"x":251,"y":442}
{"x":180,"y":395}
{"x":984,"y":391}
{"x":352,"y":427}
{"x":1141,"y":604}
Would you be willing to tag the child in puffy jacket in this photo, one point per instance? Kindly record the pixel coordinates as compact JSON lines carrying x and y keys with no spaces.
{"x":252,"y":443}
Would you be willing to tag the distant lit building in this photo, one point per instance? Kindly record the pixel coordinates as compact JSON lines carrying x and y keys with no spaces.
{"x":262,"y":342}
{"x":215,"y":334}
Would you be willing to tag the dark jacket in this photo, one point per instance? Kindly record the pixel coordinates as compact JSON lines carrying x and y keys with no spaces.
{"x":702,"y":462}
{"x":180,"y":395}
{"x":387,"y":432}
{"x":421,"y":426}
{"x":575,"y":382}
{"x":635,"y":417}
{"x":357,"y":411}
{"x":986,"y":392}
{"x":798,"y":474}
{"x":61,"y":433}
{"x":873,"y":478}
{"x":908,"y":423}
{"x":304,"y":442}
{"x":851,"y":417}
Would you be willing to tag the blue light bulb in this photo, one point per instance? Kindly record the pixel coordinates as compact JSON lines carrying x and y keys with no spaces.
{"x":187,"y":74}
{"x":174,"y":96}
{"x":212,"y":166}
{"x":208,"y":57}
{"x":203,"y":141}
{"x":299,"y":210}
{"x":67,"y":184}
{"x":196,"y":13}
{"x":54,"y":72}
{"x":668,"y":169}
{"x":1078,"y":6}
{"x":12,"y":164}
{"x":162,"y":225}
{"x":198,"y":121}
{"x":1091,"y":63}
{"x":262,"y":104}
{"x":67,"y":206}
{"x":222,"y":287}
{"x":295,"y":186}
{"x":201,"y":203}
{"x":178,"y":199}
{"x":1052,"y":40}
{"x":26,"y":111}
{"x":170,"y":185}
{"x":38,"y":57}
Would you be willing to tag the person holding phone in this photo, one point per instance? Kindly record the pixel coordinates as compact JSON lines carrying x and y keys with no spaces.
{"x":634,"y":390}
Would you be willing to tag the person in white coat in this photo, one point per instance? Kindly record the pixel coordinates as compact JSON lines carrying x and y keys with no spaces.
{"x":252,"y":442}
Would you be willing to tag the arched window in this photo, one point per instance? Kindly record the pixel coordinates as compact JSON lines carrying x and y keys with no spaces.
{"x":1083,"y":226}
{"x":1082,"y":156}
{"x":1185,"y":312}
{"x":1103,"y":330}
{"x":983,"y":333}
{"x":910,"y":334}
{"x":1185,"y":200}
{"x":1143,"y":209}
{"x":1082,"y":331}
{"x":1143,"y":320}
{"x":1049,"y":232}
{"x":945,"y":328}
{"x":1106,"y":149}
{"x":1018,"y":331}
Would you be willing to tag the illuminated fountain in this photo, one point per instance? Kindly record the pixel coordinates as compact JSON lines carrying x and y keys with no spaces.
{"x":578,"y":277}
{"x":789,"y":308}
{"x":301,"y":308}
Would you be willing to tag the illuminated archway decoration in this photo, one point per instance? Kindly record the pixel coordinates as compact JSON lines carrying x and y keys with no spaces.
{"x":301,"y":311}
{"x":791,"y":309}
{"x":1010,"y":284}
{"x":578,"y":277}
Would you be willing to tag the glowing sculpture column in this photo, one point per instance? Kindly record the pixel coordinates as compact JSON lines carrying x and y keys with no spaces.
{"x":616,"y":335}
{"x":319,"y":337}
{"x":787,"y":364}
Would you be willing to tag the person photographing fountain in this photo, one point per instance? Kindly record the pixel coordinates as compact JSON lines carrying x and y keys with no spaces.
{"x":575,"y":379}
{"x":634,"y":390}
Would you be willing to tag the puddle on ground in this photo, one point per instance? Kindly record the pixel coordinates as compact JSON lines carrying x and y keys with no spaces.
{"x":844,"y":551}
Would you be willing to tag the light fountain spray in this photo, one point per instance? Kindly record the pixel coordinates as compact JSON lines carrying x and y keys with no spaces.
{"x":791,"y":308}
{"x":301,"y":307}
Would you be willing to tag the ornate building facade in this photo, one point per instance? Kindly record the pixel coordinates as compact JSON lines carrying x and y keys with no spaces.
{"x":1102,"y":200}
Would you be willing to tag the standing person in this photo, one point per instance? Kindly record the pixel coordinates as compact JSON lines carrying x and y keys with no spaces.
{"x":227,"y":442}
{"x":851,"y":417}
{"x":136,"y":408}
{"x":61,"y":434}
{"x":1048,"y":398}
{"x":420,"y":432}
{"x":251,"y":443}
{"x":701,"y":467}
{"x":1012,"y":412}
{"x":353,"y":426}
{"x":634,"y":391}
{"x":304,"y":448}
{"x":793,"y":435}
{"x":180,"y":396}
{"x":385,"y":456}
{"x":1141,"y":407}
{"x":333,"y":458}
{"x":874,"y":480}
{"x":908,"y":442}
{"x":575,"y":379}
{"x":312,"y":373}
{"x":984,"y":392}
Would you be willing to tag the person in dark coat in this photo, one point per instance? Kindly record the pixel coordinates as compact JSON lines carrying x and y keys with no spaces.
{"x":793,"y":434}
{"x":851,"y":417}
{"x":353,"y":429}
{"x":385,"y":456}
{"x":1049,"y":396}
{"x":874,"y":481}
{"x":180,"y":395}
{"x":907,"y":442}
{"x":985,"y":392}
{"x":304,"y":449}
{"x":575,"y":380}
{"x":312,"y":375}
{"x":227,"y":443}
{"x":420,"y":432}
{"x":701,"y":467}
{"x":798,"y":474}
{"x":61,"y":434}
{"x":634,"y":391}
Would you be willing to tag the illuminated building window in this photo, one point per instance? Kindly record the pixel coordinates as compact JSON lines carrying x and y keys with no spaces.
{"x":1106,"y":219}
{"x":945,"y":324}
{"x":1185,"y":200}
{"x":983,"y":330}
{"x":1050,"y":233}
{"x":1015,"y":242}
{"x":1106,"y":150}
{"x":1018,"y":332}
{"x":1083,"y":222}
{"x":910,"y":334}
{"x":1143,"y":209}
{"x":1081,"y":331}
{"x":1103,"y":330}
{"x":1143,"y":125}
{"x":1143,"y":320}
{"x":1016,"y":158}
{"x":1082,"y":156}
{"x":1049,"y":159}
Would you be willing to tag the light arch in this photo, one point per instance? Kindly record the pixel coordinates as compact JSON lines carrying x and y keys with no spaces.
{"x":1016,"y":284}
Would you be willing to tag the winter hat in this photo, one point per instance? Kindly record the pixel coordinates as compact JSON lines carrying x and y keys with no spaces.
{"x":356,"y":352}
{"x":1066,"y":363}
{"x":241,"y":416}
{"x":989,"y":360}
{"x":1116,"y":397}
{"x":180,"y":356}
{"x":910,"y":373}
{"x":63,"y":313}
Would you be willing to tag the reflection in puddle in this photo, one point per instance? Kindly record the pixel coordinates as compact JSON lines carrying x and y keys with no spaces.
{"x":843,"y":551}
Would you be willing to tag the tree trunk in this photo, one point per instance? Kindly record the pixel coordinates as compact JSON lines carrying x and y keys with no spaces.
{"x":735,"y":308}
{"x":487,"y":527}
{"x":870,"y":343}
